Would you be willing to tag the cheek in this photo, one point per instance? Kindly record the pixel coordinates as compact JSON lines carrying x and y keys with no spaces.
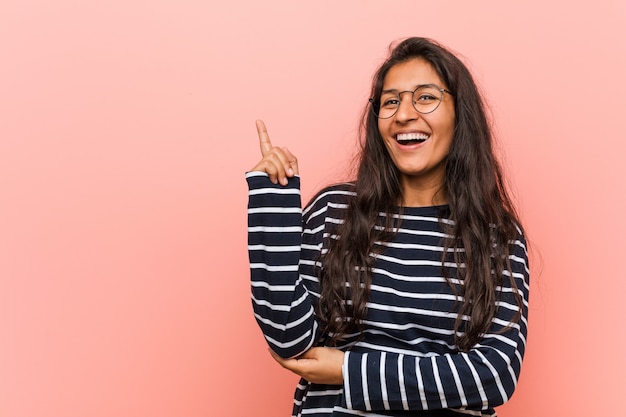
{"x":446,"y":127}
{"x":384,"y":129}
{"x":452,"y":121}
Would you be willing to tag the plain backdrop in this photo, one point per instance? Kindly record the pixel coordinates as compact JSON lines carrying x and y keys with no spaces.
{"x":125,"y":131}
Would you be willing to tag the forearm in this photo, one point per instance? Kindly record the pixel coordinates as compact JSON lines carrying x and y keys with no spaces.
{"x":281,"y":303}
{"x":479,"y":379}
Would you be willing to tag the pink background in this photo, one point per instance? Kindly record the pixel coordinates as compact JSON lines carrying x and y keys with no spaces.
{"x":125,"y":132}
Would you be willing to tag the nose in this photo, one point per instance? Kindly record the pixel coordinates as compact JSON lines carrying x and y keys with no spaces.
{"x":406,"y":110}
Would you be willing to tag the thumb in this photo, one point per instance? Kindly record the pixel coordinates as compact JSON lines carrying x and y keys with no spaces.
{"x":293,"y":161}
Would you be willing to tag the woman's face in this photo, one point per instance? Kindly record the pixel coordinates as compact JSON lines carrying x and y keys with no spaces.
{"x":417,"y":143}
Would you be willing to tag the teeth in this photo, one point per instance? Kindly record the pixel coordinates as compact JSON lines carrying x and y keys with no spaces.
{"x":412,"y":136}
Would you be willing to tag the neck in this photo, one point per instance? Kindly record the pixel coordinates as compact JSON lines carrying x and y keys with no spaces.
{"x":423,"y":195}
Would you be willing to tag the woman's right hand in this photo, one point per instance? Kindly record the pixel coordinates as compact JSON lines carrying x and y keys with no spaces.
{"x":278,"y":163}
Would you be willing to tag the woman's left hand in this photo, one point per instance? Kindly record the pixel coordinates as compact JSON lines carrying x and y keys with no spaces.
{"x":319,"y":365}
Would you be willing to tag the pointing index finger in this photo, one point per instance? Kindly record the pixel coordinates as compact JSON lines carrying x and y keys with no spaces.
{"x":264,"y":138}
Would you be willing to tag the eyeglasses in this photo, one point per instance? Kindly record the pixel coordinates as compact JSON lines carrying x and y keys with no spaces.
{"x":426,"y":98}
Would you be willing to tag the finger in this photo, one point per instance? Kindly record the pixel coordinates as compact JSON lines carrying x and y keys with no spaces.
{"x":312,"y":353}
{"x":264,"y":138}
{"x":289,"y":364}
{"x":279,"y":164}
{"x":292,"y":163}
{"x":272,"y":166}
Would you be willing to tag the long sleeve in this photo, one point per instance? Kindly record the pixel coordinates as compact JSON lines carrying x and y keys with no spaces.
{"x":479,"y":379}
{"x":282,"y":303}
{"x":405,"y":359}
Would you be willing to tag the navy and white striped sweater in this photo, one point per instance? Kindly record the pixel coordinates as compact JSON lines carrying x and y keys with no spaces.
{"x":406,"y":362}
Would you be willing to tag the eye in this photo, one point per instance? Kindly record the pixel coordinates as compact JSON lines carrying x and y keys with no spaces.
{"x":426,"y":98}
{"x":389,"y":102}
{"x":426,"y":94}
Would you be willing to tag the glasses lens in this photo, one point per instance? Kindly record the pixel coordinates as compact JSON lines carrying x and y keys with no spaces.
{"x":427,"y":98}
{"x":389,"y":103}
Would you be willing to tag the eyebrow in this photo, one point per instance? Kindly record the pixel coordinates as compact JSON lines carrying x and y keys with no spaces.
{"x":395,"y":90}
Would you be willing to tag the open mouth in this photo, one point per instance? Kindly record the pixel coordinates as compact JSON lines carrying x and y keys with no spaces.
{"x":411,"y":138}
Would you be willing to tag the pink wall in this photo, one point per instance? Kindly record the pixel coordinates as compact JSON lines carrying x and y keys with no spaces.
{"x":125,"y":130}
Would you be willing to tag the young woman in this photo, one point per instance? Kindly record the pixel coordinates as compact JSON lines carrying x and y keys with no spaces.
{"x":404,"y":292}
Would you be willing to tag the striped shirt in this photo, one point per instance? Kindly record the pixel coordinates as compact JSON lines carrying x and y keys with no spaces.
{"x":405,"y":363}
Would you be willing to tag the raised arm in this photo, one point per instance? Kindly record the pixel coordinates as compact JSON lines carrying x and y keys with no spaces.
{"x":281,"y":302}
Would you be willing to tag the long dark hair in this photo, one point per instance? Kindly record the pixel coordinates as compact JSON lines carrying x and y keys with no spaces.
{"x":484,"y":218}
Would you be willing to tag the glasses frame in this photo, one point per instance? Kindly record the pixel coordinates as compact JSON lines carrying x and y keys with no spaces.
{"x":376,"y":102}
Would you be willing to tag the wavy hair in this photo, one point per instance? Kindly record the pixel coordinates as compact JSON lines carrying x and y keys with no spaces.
{"x":484,"y":218}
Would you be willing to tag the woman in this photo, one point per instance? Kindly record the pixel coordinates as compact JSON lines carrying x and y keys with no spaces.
{"x":405,"y":291}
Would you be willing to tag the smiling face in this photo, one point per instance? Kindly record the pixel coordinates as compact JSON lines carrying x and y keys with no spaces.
{"x":418,"y":143}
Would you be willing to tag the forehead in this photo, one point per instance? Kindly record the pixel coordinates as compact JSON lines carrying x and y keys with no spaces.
{"x":407,"y":75}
